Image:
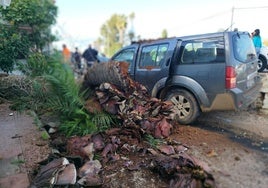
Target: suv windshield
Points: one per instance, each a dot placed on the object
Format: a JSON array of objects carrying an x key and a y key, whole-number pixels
[{"x": 244, "y": 50}]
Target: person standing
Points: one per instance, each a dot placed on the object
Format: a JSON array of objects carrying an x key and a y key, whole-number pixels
[
  {"x": 77, "y": 58},
  {"x": 257, "y": 41},
  {"x": 90, "y": 56},
  {"x": 66, "y": 53}
]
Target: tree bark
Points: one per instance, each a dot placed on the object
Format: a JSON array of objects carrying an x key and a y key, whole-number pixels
[{"x": 111, "y": 72}]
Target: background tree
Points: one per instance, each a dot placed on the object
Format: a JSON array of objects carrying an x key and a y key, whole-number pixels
[
  {"x": 164, "y": 34},
  {"x": 113, "y": 33},
  {"x": 98, "y": 44},
  {"x": 25, "y": 27}
]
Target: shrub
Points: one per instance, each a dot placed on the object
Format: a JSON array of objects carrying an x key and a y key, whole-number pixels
[{"x": 55, "y": 90}]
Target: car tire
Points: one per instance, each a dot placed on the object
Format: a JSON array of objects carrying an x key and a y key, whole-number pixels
[
  {"x": 185, "y": 106},
  {"x": 262, "y": 63}
]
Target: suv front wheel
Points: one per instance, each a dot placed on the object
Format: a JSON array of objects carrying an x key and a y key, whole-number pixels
[{"x": 185, "y": 105}]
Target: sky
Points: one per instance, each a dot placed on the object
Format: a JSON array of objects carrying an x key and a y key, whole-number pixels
[{"x": 79, "y": 21}]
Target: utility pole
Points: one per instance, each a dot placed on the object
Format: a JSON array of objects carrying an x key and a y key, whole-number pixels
[{"x": 232, "y": 19}]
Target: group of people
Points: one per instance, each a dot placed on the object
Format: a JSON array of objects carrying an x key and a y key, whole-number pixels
[{"x": 90, "y": 56}]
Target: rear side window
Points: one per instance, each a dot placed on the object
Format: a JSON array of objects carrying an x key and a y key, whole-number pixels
[
  {"x": 207, "y": 50},
  {"x": 153, "y": 55},
  {"x": 244, "y": 50}
]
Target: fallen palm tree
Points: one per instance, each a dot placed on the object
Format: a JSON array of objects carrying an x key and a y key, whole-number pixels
[
  {"x": 128, "y": 147},
  {"x": 118, "y": 94}
]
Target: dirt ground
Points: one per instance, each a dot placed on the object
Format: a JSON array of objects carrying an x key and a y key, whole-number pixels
[
  {"x": 235, "y": 157},
  {"x": 232, "y": 164},
  {"x": 234, "y": 145}
]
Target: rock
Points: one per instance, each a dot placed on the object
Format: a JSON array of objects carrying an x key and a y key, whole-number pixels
[
  {"x": 66, "y": 176},
  {"x": 90, "y": 167},
  {"x": 48, "y": 172},
  {"x": 52, "y": 130},
  {"x": 76, "y": 144},
  {"x": 89, "y": 150},
  {"x": 163, "y": 129},
  {"x": 90, "y": 180},
  {"x": 109, "y": 148},
  {"x": 152, "y": 151},
  {"x": 166, "y": 149},
  {"x": 180, "y": 149},
  {"x": 212, "y": 153},
  {"x": 98, "y": 142}
]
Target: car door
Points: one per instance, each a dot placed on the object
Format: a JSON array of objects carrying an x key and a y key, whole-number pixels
[
  {"x": 153, "y": 62},
  {"x": 127, "y": 54}
]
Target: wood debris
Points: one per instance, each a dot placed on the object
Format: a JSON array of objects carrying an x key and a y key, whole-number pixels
[{"x": 125, "y": 145}]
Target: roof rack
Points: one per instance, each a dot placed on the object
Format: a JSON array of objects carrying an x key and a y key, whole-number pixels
[{"x": 148, "y": 40}]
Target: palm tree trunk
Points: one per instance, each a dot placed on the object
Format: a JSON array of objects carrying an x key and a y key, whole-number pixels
[{"x": 111, "y": 72}]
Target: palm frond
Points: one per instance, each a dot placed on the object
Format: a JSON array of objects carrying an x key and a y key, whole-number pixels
[
  {"x": 103, "y": 121},
  {"x": 153, "y": 142},
  {"x": 78, "y": 126},
  {"x": 54, "y": 88}
]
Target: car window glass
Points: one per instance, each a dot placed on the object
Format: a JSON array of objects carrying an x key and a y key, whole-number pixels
[
  {"x": 153, "y": 55},
  {"x": 244, "y": 50},
  {"x": 125, "y": 55},
  {"x": 207, "y": 50}
]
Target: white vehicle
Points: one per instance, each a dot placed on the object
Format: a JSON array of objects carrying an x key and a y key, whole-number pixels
[{"x": 263, "y": 57}]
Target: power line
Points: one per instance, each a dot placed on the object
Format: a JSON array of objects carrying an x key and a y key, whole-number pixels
[
  {"x": 243, "y": 8},
  {"x": 263, "y": 7}
]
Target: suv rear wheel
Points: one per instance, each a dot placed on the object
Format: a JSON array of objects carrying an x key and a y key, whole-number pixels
[{"x": 185, "y": 105}]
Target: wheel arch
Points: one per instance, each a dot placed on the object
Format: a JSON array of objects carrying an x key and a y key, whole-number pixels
[
  {"x": 158, "y": 87},
  {"x": 186, "y": 83}
]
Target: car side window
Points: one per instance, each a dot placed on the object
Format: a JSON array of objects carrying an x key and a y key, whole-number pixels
[
  {"x": 126, "y": 55},
  {"x": 207, "y": 50},
  {"x": 153, "y": 55}
]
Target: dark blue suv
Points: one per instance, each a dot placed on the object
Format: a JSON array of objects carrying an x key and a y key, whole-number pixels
[{"x": 198, "y": 73}]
